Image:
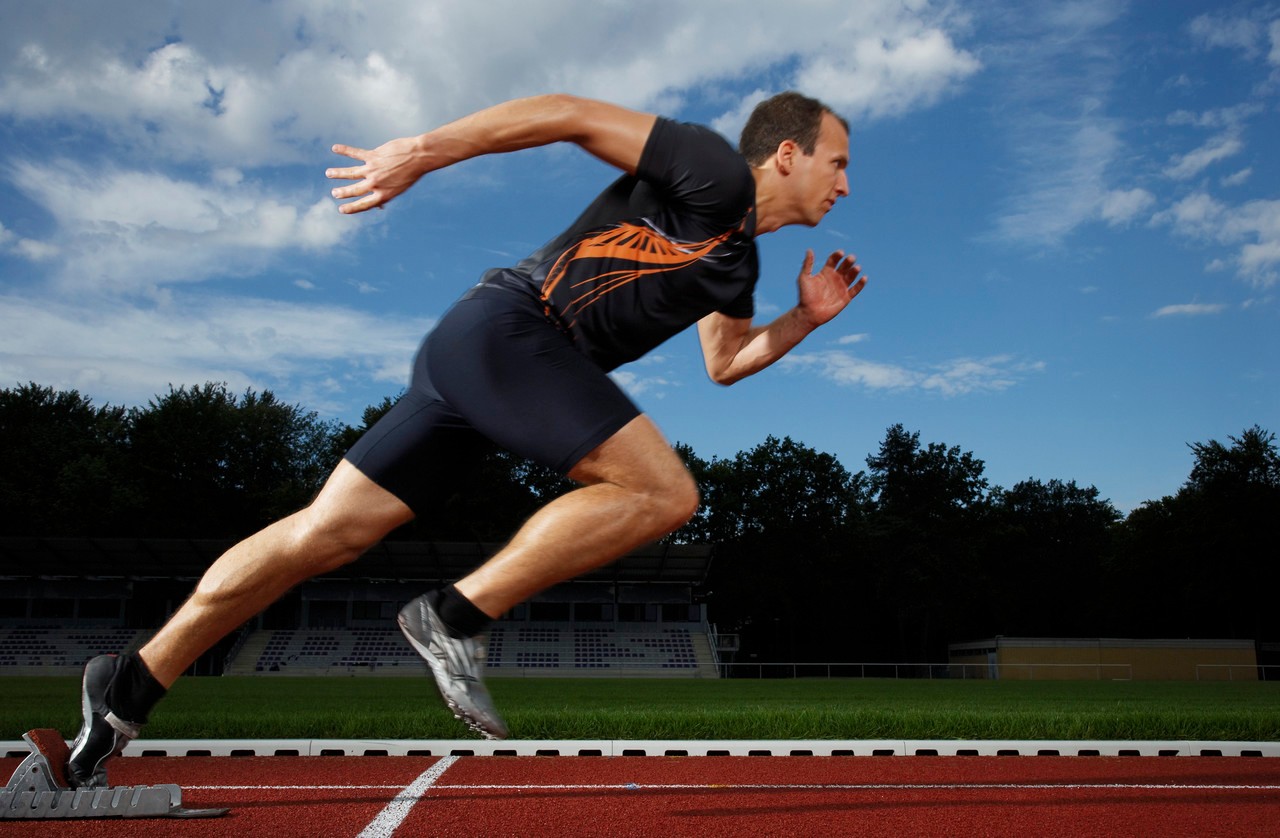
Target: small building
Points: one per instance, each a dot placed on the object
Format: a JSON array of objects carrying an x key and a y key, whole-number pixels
[{"x": 1104, "y": 659}]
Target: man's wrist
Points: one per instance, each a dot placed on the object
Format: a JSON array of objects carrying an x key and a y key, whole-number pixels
[{"x": 803, "y": 320}]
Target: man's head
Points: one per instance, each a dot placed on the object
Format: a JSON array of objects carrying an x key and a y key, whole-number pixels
[
  {"x": 786, "y": 116},
  {"x": 798, "y": 149}
]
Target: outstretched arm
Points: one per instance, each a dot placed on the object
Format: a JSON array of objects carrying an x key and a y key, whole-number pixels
[
  {"x": 733, "y": 348},
  {"x": 614, "y": 134}
]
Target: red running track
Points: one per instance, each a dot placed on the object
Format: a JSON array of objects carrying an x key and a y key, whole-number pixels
[{"x": 703, "y": 796}]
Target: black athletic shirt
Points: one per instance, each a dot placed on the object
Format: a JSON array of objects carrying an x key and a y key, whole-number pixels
[{"x": 655, "y": 252}]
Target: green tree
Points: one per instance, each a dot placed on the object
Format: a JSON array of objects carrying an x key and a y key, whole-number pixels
[
  {"x": 1049, "y": 544},
  {"x": 1248, "y": 468},
  {"x": 930, "y": 511},
  {"x": 210, "y": 464},
  {"x": 1199, "y": 562},
  {"x": 786, "y": 521},
  {"x": 62, "y": 471}
]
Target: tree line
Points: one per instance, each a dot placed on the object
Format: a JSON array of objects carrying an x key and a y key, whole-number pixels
[{"x": 812, "y": 561}]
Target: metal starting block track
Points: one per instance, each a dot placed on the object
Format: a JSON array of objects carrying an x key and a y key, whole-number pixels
[{"x": 38, "y": 790}]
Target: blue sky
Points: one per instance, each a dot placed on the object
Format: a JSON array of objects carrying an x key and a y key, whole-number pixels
[{"x": 1069, "y": 211}]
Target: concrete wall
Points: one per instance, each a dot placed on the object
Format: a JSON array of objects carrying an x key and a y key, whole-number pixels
[{"x": 1049, "y": 659}]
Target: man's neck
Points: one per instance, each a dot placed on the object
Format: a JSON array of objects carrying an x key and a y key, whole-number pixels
[{"x": 768, "y": 215}]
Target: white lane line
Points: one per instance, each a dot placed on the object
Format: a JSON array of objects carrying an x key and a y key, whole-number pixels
[
  {"x": 409, "y": 792},
  {"x": 870, "y": 787},
  {"x": 309, "y": 787},
  {"x": 394, "y": 813}
]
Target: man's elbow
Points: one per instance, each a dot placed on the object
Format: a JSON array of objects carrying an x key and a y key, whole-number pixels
[{"x": 723, "y": 377}]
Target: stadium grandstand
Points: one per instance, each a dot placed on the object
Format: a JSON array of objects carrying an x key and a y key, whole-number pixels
[{"x": 64, "y": 600}]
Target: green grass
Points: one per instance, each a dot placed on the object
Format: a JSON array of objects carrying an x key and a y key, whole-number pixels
[{"x": 398, "y": 708}]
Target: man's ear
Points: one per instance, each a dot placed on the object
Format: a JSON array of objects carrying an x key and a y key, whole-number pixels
[{"x": 785, "y": 157}]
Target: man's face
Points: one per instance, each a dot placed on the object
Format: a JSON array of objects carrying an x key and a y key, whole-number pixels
[{"x": 821, "y": 177}]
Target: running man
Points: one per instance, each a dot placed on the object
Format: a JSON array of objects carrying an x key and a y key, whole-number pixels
[{"x": 522, "y": 360}]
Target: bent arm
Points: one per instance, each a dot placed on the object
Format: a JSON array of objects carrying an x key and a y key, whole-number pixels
[
  {"x": 614, "y": 134},
  {"x": 733, "y": 348}
]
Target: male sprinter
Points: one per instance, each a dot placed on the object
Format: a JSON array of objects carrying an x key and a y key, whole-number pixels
[{"x": 523, "y": 360}]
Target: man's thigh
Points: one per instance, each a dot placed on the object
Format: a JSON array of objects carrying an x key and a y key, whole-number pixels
[
  {"x": 417, "y": 451},
  {"x": 518, "y": 380}
]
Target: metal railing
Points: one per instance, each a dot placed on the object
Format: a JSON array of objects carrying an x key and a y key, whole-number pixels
[
  {"x": 931, "y": 671},
  {"x": 1237, "y": 672}
]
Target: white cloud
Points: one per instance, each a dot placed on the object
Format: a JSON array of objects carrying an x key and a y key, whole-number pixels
[
  {"x": 1069, "y": 151},
  {"x": 30, "y": 249},
  {"x": 843, "y": 368},
  {"x": 180, "y": 129},
  {"x": 1198, "y": 216},
  {"x": 311, "y": 74},
  {"x": 1231, "y": 118},
  {"x": 1227, "y": 32},
  {"x": 1193, "y": 163},
  {"x": 1066, "y": 185},
  {"x": 123, "y": 352},
  {"x": 1253, "y": 227},
  {"x": 133, "y": 230},
  {"x": 1239, "y": 178},
  {"x": 1061, "y": 65},
  {"x": 877, "y": 76},
  {"x": 956, "y": 377},
  {"x": 651, "y": 386},
  {"x": 1189, "y": 309},
  {"x": 181, "y": 112},
  {"x": 177, "y": 104},
  {"x": 850, "y": 339},
  {"x": 1119, "y": 207},
  {"x": 1260, "y": 260},
  {"x": 35, "y": 251}
]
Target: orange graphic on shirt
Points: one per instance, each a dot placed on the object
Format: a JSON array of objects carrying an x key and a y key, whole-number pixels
[{"x": 642, "y": 247}]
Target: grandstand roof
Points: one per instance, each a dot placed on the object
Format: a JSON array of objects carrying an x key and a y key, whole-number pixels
[{"x": 162, "y": 558}]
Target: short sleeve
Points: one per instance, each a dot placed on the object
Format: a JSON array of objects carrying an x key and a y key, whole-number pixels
[{"x": 695, "y": 168}]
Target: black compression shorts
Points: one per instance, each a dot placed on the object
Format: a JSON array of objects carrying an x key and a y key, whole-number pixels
[{"x": 494, "y": 367}]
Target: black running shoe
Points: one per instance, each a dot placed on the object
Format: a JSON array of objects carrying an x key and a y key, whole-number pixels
[
  {"x": 103, "y": 734},
  {"x": 457, "y": 664}
]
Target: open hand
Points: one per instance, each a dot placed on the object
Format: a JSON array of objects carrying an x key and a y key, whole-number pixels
[
  {"x": 825, "y": 294},
  {"x": 388, "y": 170}
]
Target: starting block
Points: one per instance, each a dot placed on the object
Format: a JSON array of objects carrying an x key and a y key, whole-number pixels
[{"x": 38, "y": 790}]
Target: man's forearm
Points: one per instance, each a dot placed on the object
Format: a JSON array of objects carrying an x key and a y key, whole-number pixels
[
  {"x": 615, "y": 134},
  {"x": 757, "y": 348},
  {"x": 510, "y": 126}
]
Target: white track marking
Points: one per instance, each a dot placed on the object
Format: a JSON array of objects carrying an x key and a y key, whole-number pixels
[
  {"x": 415, "y": 791},
  {"x": 310, "y": 787},
  {"x": 390, "y": 818},
  {"x": 865, "y": 786}
]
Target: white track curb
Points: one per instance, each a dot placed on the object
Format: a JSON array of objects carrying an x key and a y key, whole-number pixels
[{"x": 661, "y": 747}]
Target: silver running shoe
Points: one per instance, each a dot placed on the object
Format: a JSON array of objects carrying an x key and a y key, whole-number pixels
[
  {"x": 457, "y": 664},
  {"x": 103, "y": 734}
]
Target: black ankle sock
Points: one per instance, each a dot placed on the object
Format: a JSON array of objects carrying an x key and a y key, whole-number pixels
[
  {"x": 459, "y": 614},
  {"x": 133, "y": 691}
]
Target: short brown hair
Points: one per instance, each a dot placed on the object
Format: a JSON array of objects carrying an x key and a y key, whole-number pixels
[{"x": 786, "y": 116}]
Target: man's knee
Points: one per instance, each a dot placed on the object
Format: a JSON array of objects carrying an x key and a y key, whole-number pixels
[
  {"x": 670, "y": 499},
  {"x": 350, "y": 515},
  {"x": 332, "y": 535},
  {"x": 639, "y": 460},
  {"x": 683, "y": 499},
  {"x": 328, "y": 544}
]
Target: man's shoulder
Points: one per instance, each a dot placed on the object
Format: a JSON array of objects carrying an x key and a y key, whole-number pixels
[{"x": 697, "y": 165}]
